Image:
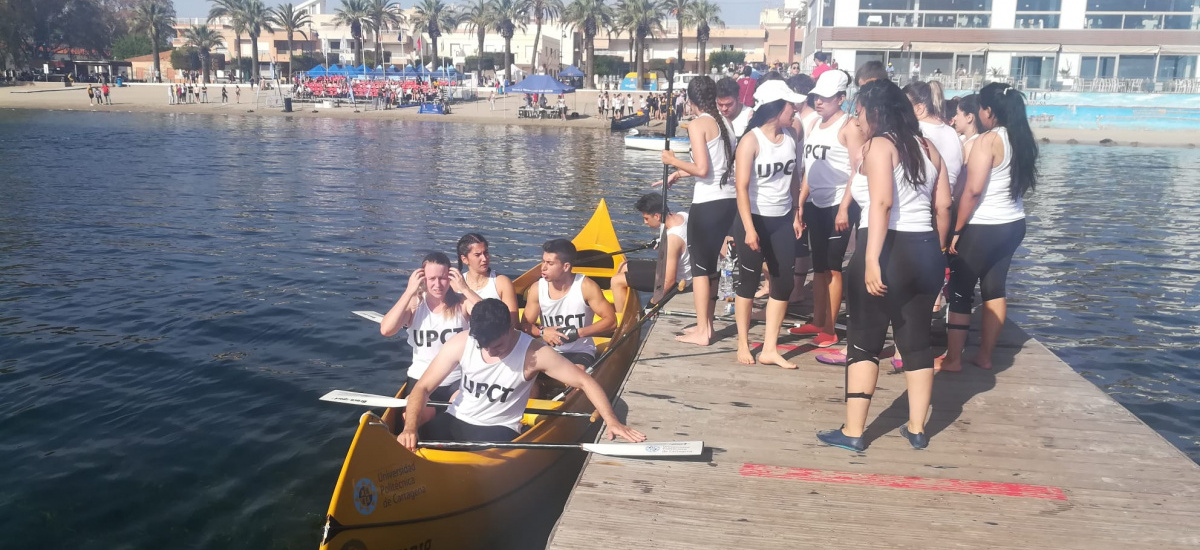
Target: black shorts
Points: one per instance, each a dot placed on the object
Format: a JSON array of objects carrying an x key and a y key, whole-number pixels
[
  {"x": 639, "y": 274},
  {"x": 827, "y": 244},
  {"x": 445, "y": 427},
  {"x": 441, "y": 395},
  {"x": 708, "y": 224},
  {"x": 585, "y": 359},
  {"x": 776, "y": 248}
]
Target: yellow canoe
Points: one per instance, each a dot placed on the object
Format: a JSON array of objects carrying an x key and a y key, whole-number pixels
[{"x": 389, "y": 498}]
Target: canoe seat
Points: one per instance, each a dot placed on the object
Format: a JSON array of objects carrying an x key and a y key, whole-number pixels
[{"x": 531, "y": 419}]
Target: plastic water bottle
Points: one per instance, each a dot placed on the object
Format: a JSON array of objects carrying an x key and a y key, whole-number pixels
[{"x": 726, "y": 265}]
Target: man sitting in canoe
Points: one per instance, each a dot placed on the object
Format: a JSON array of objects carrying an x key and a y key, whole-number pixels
[
  {"x": 559, "y": 309},
  {"x": 640, "y": 274},
  {"x": 499, "y": 367}
]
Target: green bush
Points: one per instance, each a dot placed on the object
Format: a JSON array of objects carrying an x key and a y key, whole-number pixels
[
  {"x": 246, "y": 65},
  {"x": 611, "y": 65},
  {"x": 185, "y": 59},
  {"x": 720, "y": 58},
  {"x": 301, "y": 63},
  {"x": 131, "y": 45}
]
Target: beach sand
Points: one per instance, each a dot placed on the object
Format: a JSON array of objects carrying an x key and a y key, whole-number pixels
[{"x": 152, "y": 98}]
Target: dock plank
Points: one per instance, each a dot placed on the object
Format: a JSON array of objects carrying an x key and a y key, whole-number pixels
[{"x": 1032, "y": 427}]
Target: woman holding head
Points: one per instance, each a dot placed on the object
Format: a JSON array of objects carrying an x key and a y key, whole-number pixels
[
  {"x": 897, "y": 268},
  {"x": 714, "y": 202},
  {"x": 474, "y": 254},
  {"x": 767, "y": 181},
  {"x": 990, "y": 224}
]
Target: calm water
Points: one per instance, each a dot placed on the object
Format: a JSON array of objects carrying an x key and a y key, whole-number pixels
[{"x": 176, "y": 294}]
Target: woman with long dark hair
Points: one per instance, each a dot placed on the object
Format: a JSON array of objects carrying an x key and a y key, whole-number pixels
[
  {"x": 991, "y": 220},
  {"x": 767, "y": 185},
  {"x": 474, "y": 254},
  {"x": 897, "y": 268},
  {"x": 714, "y": 202}
]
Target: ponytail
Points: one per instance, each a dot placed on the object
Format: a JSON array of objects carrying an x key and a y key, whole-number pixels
[
  {"x": 1008, "y": 106},
  {"x": 970, "y": 104},
  {"x": 702, "y": 92},
  {"x": 763, "y": 113}
]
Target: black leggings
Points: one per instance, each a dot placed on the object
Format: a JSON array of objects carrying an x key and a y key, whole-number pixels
[
  {"x": 984, "y": 254},
  {"x": 828, "y": 245},
  {"x": 913, "y": 270},
  {"x": 777, "y": 246},
  {"x": 445, "y": 427},
  {"x": 708, "y": 224}
]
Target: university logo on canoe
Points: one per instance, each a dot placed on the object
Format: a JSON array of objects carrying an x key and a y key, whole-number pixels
[{"x": 365, "y": 496}]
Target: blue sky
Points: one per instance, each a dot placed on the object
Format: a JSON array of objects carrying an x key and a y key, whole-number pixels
[{"x": 734, "y": 12}]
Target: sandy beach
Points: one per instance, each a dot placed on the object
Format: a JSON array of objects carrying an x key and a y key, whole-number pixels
[{"x": 151, "y": 98}]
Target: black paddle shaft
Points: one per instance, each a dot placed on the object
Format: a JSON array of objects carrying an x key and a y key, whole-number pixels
[{"x": 660, "y": 273}]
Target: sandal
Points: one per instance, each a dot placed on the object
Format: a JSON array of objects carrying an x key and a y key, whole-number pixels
[{"x": 832, "y": 358}]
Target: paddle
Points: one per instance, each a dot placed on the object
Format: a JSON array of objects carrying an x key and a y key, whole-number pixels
[
  {"x": 371, "y": 400},
  {"x": 660, "y": 273},
  {"x": 589, "y": 255},
  {"x": 645, "y": 449}
]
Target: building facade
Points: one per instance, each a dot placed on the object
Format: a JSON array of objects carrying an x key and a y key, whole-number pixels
[{"x": 1036, "y": 44}]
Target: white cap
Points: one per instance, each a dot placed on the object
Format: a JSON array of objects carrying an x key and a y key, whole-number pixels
[
  {"x": 774, "y": 90},
  {"x": 831, "y": 83}
]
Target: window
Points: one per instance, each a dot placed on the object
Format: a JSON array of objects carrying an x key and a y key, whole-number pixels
[
  {"x": 827, "y": 7},
  {"x": 1036, "y": 21},
  {"x": 888, "y": 5},
  {"x": 335, "y": 44},
  {"x": 1171, "y": 67},
  {"x": 1142, "y": 5},
  {"x": 1097, "y": 67},
  {"x": 956, "y": 5},
  {"x": 1143, "y": 14},
  {"x": 1039, "y": 5},
  {"x": 1136, "y": 66}
]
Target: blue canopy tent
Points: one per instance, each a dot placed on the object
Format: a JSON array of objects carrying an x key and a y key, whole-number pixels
[
  {"x": 570, "y": 72},
  {"x": 541, "y": 84},
  {"x": 319, "y": 70}
]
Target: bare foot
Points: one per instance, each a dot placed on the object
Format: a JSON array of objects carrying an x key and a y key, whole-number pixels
[
  {"x": 941, "y": 364},
  {"x": 983, "y": 362},
  {"x": 695, "y": 337},
  {"x": 769, "y": 358},
  {"x": 691, "y": 329},
  {"x": 744, "y": 356}
]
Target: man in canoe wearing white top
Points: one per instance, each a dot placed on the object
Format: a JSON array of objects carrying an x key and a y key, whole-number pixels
[
  {"x": 560, "y": 308},
  {"x": 639, "y": 274},
  {"x": 499, "y": 367}
]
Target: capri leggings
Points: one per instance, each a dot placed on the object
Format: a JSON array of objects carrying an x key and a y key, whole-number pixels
[
  {"x": 828, "y": 245},
  {"x": 984, "y": 254},
  {"x": 708, "y": 224},
  {"x": 776, "y": 246},
  {"x": 913, "y": 270}
]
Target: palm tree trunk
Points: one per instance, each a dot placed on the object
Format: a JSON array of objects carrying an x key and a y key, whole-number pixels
[
  {"x": 679, "y": 19},
  {"x": 237, "y": 53},
  {"x": 436, "y": 61},
  {"x": 254, "y": 56},
  {"x": 536, "y": 38},
  {"x": 157, "y": 76},
  {"x": 640, "y": 43},
  {"x": 482, "y": 36},
  {"x": 291, "y": 53},
  {"x": 507, "y": 54},
  {"x": 589, "y": 82},
  {"x": 703, "y": 60}
]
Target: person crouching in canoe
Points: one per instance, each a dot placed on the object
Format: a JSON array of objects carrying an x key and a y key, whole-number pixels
[
  {"x": 435, "y": 306},
  {"x": 640, "y": 274},
  {"x": 499, "y": 367},
  {"x": 560, "y": 308}
]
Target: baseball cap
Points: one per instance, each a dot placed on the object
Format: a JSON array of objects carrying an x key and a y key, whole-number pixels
[
  {"x": 831, "y": 83},
  {"x": 774, "y": 90}
]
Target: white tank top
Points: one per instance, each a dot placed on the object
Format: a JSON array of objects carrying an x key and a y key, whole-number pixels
[
  {"x": 427, "y": 332},
  {"x": 945, "y": 139},
  {"x": 911, "y": 208},
  {"x": 572, "y": 310},
  {"x": 739, "y": 123},
  {"x": 493, "y": 394},
  {"x": 771, "y": 175},
  {"x": 827, "y": 164},
  {"x": 956, "y": 186},
  {"x": 709, "y": 188},
  {"x": 997, "y": 207},
  {"x": 489, "y": 289},
  {"x": 683, "y": 272}
]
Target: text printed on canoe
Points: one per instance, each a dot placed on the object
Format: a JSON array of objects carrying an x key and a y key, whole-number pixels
[{"x": 398, "y": 485}]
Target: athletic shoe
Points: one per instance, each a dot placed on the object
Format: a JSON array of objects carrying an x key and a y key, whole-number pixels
[
  {"x": 833, "y": 358},
  {"x": 835, "y": 438},
  {"x": 918, "y": 441},
  {"x": 805, "y": 330},
  {"x": 898, "y": 363},
  {"x": 823, "y": 340}
]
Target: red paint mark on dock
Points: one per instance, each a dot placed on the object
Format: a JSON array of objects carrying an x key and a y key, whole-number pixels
[
  {"x": 785, "y": 348},
  {"x": 905, "y": 482}
]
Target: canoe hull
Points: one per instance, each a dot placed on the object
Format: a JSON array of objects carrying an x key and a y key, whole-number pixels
[
  {"x": 627, "y": 122},
  {"x": 650, "y": 143}
]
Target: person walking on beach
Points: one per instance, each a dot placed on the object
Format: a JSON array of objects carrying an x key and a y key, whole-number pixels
[
  {"x": 714, "y": 200},
  {"x": 91, "y": 96},
  {"x": 991, "y": 221},
  {"x": 492, "y": 99},
  {"x": 170, "y": 95},
  {"x": 224, "y": 95},
  {"x": 237, "y": 93},
  {"x": 896, "y": 273},
  {"x": 767, "y": 185},
  {"x": 104, "y": 90},
  {"x": 204, "y": 93}
]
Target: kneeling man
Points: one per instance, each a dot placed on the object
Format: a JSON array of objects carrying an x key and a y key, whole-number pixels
[{"x": 499, "y": 367}]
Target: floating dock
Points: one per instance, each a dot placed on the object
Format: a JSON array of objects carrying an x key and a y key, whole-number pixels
[{"x": 1028, "y": 455}]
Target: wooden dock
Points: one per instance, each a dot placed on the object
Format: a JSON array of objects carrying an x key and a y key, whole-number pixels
[{"x": 1029, "y": 455}]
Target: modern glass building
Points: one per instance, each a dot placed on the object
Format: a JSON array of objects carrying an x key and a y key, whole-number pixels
[{"x": 1092, "y": 45}]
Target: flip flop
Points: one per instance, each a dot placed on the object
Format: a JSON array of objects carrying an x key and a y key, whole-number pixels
[{"x": 832, "y": 358}]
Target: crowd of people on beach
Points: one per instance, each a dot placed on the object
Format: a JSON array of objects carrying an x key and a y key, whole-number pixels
[{"x": 653, "y": 105}]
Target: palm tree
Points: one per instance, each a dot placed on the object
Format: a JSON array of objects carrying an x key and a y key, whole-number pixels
[
  {"x": 257, "y": 18},
  {"x": 431, "y": 17},
  {"x": 640, "y": 18},
  {"x": 351, "y": 14},
  {"x": 291, "y": 21},
  {"x": 589, "y": 17},
  {"x": 382, "y": 15},
  {"x": 204, "y": 39},
  {"x": 681, "y": 9},
  {"x": 478, "y": 16},
  {"x": 543, "y": 11},
  {"x": 705, "y": 15},
  {"x": 233, "y": 10},
  {"x": 510, "y": 16},
  {"x": 156, "y": 20}
]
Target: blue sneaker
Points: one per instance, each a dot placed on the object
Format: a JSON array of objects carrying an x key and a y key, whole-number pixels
[
  {"x": 918, "y": 441},
  {"x": 836, "y": 438}
]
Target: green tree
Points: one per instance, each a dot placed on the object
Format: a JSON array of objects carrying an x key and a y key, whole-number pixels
[
  {"x": 705, "y": 16},
  {"x": 589, "y": 17},
  {"x": 610, "y": 65},
  {"x": 543, "y": 11},
  {"x": 291, "y": 21},
  {"x": 682, "y": 10},
  {"x": 431, "y": 17},
  {"x": 185, "y": 59},
  {"x": 130, "y": 45},
  {"x": 641, "y": 19},
  {"x": 351, "y": 15},
  {"x": 510, "y": 16},
  {"x": 257, "y": 18},
  {"x": 381, "y": 16},
  {"x": 156, "y": 20},
  {"x": 724, "y": 57},
  {"x": 234, "y": 10},
  {"x": 304, "y": 62},
  {"x": 477, "y": 17},
  {"x": 203, "y": 40}
]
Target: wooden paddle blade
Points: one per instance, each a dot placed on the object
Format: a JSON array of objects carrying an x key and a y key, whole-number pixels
[
  {"x": 648, "y": 448},
  {"x": 370, "y": 315},
  {"x": 365, "y": 399}
]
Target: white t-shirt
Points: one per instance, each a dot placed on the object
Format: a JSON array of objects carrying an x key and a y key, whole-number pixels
[
  {"x": 771, "y": 175},
  {"x": 740, "y": 122},
  {"x": 945, "y": 139}
]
